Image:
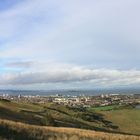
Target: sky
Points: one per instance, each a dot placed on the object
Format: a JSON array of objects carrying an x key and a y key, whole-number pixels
[{"x": 69, "y": 44}]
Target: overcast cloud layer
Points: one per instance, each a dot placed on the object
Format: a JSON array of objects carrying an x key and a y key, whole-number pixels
[{"x": 69, "y": 43}]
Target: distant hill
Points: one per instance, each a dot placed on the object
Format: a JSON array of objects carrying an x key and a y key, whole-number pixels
[
  {"x": 10, "y": 130},
  {"x": 72, "y": 92}
]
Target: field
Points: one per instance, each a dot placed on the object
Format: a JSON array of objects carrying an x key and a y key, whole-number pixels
[
  {"x": 104, "y": 108},
  {"x": 110, "y": 119},
  {"x": 128, "y": 120}
]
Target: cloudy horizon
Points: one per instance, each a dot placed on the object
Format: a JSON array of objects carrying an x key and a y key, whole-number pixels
[{"x": 63, "y": 44}]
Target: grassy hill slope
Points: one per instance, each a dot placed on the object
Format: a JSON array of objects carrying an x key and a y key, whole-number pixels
[
  {"x": 20, "y": 131},
  {"x": 124, "y": 120},
  {"x": 52, "y": 115},
  {"x": 127, "y": 118}
]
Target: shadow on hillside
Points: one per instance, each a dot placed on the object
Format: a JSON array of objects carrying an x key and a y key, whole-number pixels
[
  {"x": 99, "y": 118},
  {"x": 19, "y": 116},
  {"x": 94, "y": 117},
  {"x": 81, "y": 113},
  {"x": 74, "y": 120}
]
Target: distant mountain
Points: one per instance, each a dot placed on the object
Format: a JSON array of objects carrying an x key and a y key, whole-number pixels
[{"x": 73, "y": 92}]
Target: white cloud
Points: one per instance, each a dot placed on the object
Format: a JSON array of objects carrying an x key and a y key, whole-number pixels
[{"x": 45, "y": 73}]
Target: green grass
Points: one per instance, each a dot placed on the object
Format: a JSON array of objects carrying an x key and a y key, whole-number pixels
[
  {"x": 128, "y": 120},
  {"x": 104, "y": 108}
]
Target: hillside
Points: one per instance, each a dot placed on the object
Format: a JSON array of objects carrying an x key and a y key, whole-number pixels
[
  {"x": 20, "y": 131},
  {"x": 52, "y": 115},
  {"x": 37, "y": 121}
]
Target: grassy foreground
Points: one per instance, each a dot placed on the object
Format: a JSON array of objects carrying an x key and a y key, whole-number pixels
[{"x": 10, "y": 130}]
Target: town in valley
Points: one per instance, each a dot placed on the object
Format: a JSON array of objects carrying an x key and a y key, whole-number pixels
[{"x": 77, "y": 101}]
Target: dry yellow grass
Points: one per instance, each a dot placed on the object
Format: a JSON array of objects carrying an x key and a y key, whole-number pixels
[{"x": 16, "y": 130}]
